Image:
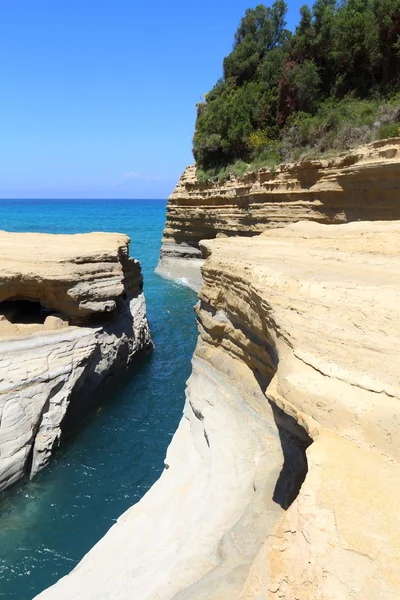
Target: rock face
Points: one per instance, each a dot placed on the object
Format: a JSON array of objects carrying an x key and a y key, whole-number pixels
[
  {"x": 329, "y": 297},
  {"x": 282, "y": 480},
  {"x": 72, "y": 314},
  {"x": 360, "y": 185}
]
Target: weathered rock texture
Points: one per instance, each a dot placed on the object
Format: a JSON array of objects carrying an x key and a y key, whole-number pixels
[
  {"x": 360, "y": 185},
  {"x": 72, "y": 315},
  {"x": 296, "y": 369}
]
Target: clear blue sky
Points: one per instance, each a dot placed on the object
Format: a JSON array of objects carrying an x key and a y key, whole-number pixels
[{"x": 98, "y": 96}]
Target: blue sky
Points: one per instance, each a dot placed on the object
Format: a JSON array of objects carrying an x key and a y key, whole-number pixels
[{"x": 98, "y": 96}]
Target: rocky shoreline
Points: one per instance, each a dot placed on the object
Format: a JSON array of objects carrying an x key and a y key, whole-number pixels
[{"x": 72, "y": 320}]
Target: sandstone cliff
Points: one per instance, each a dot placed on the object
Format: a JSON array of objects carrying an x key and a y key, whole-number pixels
[
  {"x": 72, "y": 314},
  {"x": 282, "y": 480},
  {"x": 359, "y": 185}
]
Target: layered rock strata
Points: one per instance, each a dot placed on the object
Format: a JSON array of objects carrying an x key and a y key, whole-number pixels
[
  {"x": 359, "y": 185},
  {"x": 72, "y": 317},
  {"x": 282, "y": 480}
]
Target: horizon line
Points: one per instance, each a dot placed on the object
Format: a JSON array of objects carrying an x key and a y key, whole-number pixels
[{"x": 78, "y": 199}]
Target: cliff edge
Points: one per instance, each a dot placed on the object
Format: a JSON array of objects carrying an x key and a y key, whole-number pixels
[
  {"x": 361, "y": 185},
  {"x": 72, "y": 316},
  {"x": 283, "y": 477}
]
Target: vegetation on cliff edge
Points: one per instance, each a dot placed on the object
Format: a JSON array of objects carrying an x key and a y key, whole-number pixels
[{"x": 332, "y": 84}]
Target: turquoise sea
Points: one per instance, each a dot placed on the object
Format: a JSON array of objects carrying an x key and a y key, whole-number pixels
[{"x": 47, "y": 525}]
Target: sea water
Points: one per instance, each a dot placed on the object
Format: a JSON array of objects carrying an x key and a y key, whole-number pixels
[{"x": 48, "y": 524}]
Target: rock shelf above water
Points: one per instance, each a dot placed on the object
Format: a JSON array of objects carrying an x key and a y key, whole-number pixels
[
  {"x": 72, "y": 314},
  {"x": 77, "y": 275}
]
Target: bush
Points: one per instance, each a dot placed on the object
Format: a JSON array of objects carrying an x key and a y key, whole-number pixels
[
  {"x": 306, "y": 83},
  {"x": 391, "y": 130},
  {"x": 258, "y": 140},
  {"x": 324, "y": 88},
  {"x": 336, "y": 127},
  {"x": 238, "y": 169}
]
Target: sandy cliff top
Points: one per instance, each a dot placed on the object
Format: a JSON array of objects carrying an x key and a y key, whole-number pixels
[{"x": 76, "y": 275}]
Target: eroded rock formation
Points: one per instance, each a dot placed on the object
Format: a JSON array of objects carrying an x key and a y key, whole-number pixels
[
  {"x": 282, "y": 480},
  {"x": 72, "y": 314},
  {"x": 359, "y": 185},
  {"x": 329, "y": 296}
]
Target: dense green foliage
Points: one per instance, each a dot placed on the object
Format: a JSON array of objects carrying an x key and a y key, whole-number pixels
[{"x": 326, "y": 86}]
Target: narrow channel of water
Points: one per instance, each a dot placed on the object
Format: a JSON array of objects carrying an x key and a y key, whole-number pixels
[{"x": 47, "y": 525}]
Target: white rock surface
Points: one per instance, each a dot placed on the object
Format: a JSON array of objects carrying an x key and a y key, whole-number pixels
[
  {"x": 206, "y": 513},
  {"x": 49, "y": 369}
]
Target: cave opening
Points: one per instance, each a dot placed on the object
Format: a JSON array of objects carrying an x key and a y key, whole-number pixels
[{"x": 23, "y": 311}]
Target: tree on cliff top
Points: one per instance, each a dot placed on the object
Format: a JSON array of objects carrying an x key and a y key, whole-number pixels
[{"x": 347, "y": 49}]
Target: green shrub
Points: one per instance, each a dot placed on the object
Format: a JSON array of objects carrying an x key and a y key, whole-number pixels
[
  {"x": 330, "y": 85},
  {"x": 391, "y": 130},
  {"x": 202, "y": 175},
  {"x": 238, "y": 169},
  {"x": 337, "y": 126},
  {"x": 269, "y": 158}
]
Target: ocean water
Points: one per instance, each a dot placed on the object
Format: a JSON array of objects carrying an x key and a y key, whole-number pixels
[{"x": 47, "y": 525}]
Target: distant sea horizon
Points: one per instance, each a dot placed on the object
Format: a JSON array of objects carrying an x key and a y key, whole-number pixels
[{"x": 33, "y": 198}]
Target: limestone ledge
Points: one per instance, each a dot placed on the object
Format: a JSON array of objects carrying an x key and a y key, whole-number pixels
[
  {"x": 282, "y": 480},
  {"x": 79, "y": 275},
  {"x": 72, "y": 317},
  {"x": 358, "y": 185}
]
